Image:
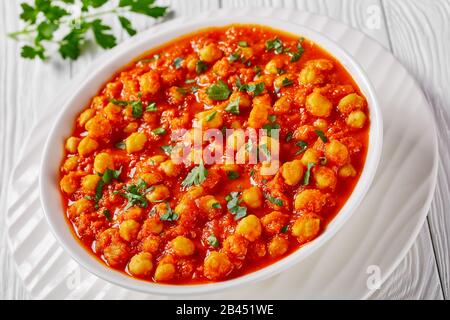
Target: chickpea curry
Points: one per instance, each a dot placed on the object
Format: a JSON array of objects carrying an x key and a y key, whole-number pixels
[{"x": 142, "y": 212}]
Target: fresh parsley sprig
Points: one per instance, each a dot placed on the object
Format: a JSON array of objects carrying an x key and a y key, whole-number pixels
[{"x": 44, "y": 18}]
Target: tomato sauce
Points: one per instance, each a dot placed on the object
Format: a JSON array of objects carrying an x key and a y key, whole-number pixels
[{"x": 135, "y": 207}]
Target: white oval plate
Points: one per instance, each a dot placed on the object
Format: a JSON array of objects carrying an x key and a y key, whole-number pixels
[{"x": 385, "y": 226}]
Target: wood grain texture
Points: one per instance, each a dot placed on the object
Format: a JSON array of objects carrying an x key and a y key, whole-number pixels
[
  {"x": 417, "y": 276},
  {"x": 419, "y": 33}
]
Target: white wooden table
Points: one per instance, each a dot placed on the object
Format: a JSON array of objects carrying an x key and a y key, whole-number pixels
[{"x": 416, "y": 31}]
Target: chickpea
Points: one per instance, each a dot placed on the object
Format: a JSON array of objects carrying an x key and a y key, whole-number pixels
[
  {"x": 158, "y": 159},
  {"x": 310, "y": 156},
  {"x": 150, "y": 82},
  {"x": 217, "y": 265},
  {"x": 182, "y": 246},
  {"x": 350, "y": 103},
  {"x": 210, "y": 53},
  {"x": 273, "y": 222},
  {"x": 337, "y": 152},
  {"x": 209, "y": 204},
  {"x": 210, "y": 119},
  {"x": 347, "y": 171},
  {"x": 129, "y": 229},
  {"x": 80, "y": 206},
  {"x": 282, "y": 105},
  {"x": 191, "y": 62},
  {"x": 151, "y": 178},
  {"x": 112, "y": 111},
  {"x": 310, "y": 76},
  {"x": 85, "y": 116},
  {"x": 89, "y": 182},
  {"x": 70, "y": 163},
  {"x": 153, "y": 225},
  {"x": 182, "y": 206},
  {"x": 304, "y": 132},
  {"x": 321, "y": 124},
  {"x": 131, "y": 127},
  {"x": 72, "y": 144},
  {"x": 116, "y": 254},
  {"x": 260, "y": 111},
  {"x": 221, "y": 67},
  {"x": 159, "y": 193},
  {"x": 267, "y": 79},
  {"x": 249, "y": 227},
  {"x": 135, "y": 142},
  {"x": 310, "y": 200},
  {"x": 244, "y": 100},
  {"x": 325, "y": 178},
  {"x": 69, "y": 183},
  {"x": 133, "y": 213},
  {"x": 253, "y": 197},
  {"x": 98, "y": 127},
  {"x": 278, "y": 246},
  {"x": 151, "y": 244},
  {"x": 103, "y": 161},
  {"x": 292, "y": 172},
  {"x": 235, "y": 245},
  {"x": 164, "y": 272},
  {"x": 87, "y": 146},
  {"x": 356, "y": 119},
  {"x": 318, "y": 105},
  {"x": 247, "y": 53},
  {"x": 141, "y": 264},
  {"x": 274, "y": 65},
  {"x": 306, "y": 228},
  {"x": 176, "y": 96},
  {"x": 169, "y": 168}
]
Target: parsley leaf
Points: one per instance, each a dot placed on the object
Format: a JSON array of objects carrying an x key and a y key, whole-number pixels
[
  {"x": 107, "y": 214},
  {"x": 159, "y": 131},
  {"x": 167, "y": 149},
  {"x": 233, "y": 106},
  {"x": 151, "y": 107},
  {"x": 233, "y": 175},
  {"x": 218, "y": 91},
  {"x": 276, "y": 201},
  {"x": 120, "y": 145},
  {"x": 196, "y": 176},
  {"x": 211, "y": 116},
  {"x": 233, "y": 205},
  {"x": 265, "y": 150},
  {"x": 302, "y": 145},
  {"x": 307, "y": 176},
  {"x": 243, "y": 44},
  {"x": 275, "y": 45},
  {"x": 127, "y": 25},
  {"x": 212, "y": 240},
  {"x": 255, "y": 88},
  {"x": 170, "y": 215},
  {"x": 135, "y": 194},
  {"x": 321, "y": 135},
  {"x": 201, "y": 67},
  {"x": 101, "y": 35},
  {"x": 177, "y": 62},
  {"x": 137, "y": 110}
]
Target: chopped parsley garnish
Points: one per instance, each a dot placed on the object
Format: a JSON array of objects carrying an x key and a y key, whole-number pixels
[
  {"x": 302, "y": 145},
  {"x": 211, "y": 116},
  {"x": 170, "y": 215},
  {"x": 137, "y": 110},
  {"x": 119, "y": 102},
  {"x": 167, "y": 149},
  {"x": 286, "y": 82},
  {"x": 296, "y": 55},
  {"x": 135, "y": 194},
  {"x": 284, "y": 229},
  {"x": 212, "y": 240},
  {"x": 308, "y": 173},
  {"x": 233, "y": 106},
  {"x": 233, "y": 205},
  {"x": 196, "y": 176},
  {"x": 159, "y": 131},
  {"x": 218, "y": 91},
  {"x": 271, "y": 126},
  {"x": 321, "y": 135},
  {"x": 265, "y": 150},
  {"x": 257, "y": 89},
  {"x": 182, "y": 90},
  {"x": 289, "y": 136},
  {"x": 106, "y": 178},
  {"x": 189, "y": 81},
  {"x": 177, "y": 62},
  {"x": 234, "y": 56},
  {"x": 243, "y": 44},
  {"x": 275, "y": 45},
  {"x": 107, "y": 214},
  {"x": 151, "y": 107},
  {"x": 120, "y": 145},
  {"x": 232, "y": 175},
  {"x": 201, "y": 67},
  {"x": 216, "y": 205},
  {"x": 276, "y": 201}
]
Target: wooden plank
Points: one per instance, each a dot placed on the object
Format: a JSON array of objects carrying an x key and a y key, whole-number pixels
[{"x": 419, "y": 32}]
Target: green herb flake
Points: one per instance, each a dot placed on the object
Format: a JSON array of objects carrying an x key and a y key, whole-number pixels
[
  {"x": 107, "y": 214},
  {"x": 276, "y": 201},
  {"x": 321, "y": 135},
  {"x": 289, "y": 136},
  {"x": 218, "y": 91},
  {"x": 234, "y": 56},
  {"x": 232, "y": 175},
  {"x": 159, "y": 131},
  {"x": 119, "y": 102},
  {"x": 265, "y": 150},
  {"x": 137, "y": 110},
  {"x": 243, "y": 44},
  {"x": 201, "y": 67},
  {"x": 216, "y": 205},
  {"x": 287, "y": 82},
  {"x": 284, "y": 229},
  {"x": 135, "y": 194},
  {"x": 120, "y": 145},
  {"x": 275, "y": 45},
  {"x": 196, "y": 176},
  {"x": 167, "y": 149},
  {"x": 233, "y": 205},
  {"x": 302, "y": 145},
  {"x": 307, "y": 176},
  {"x": 151, "y": 107},
  {"x": 170, "y": 215},
  {"x": 257, "y": 89},
  {"x": 211, "y": 116},
  {"x": 177, "y": 62},
  {"x": 233, "y": 106},
  {"x": 212, "y": 240}
]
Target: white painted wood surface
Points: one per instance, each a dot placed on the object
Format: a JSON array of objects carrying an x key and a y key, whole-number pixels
[{"x": 416, "y": 31}]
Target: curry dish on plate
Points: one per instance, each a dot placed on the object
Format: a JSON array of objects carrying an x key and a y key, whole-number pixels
[{"x": 141, "y": 207}]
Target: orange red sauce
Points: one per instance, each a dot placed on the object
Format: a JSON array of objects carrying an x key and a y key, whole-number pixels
[{"x": 140, "y": 212}]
